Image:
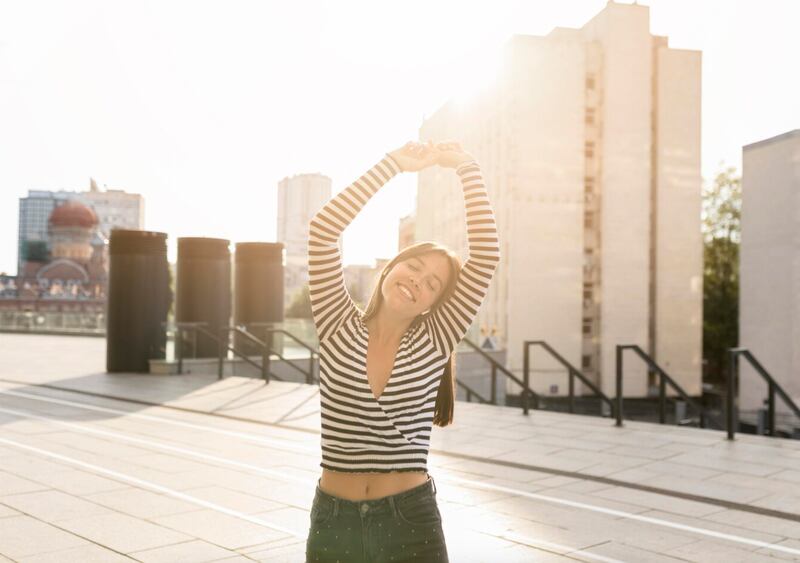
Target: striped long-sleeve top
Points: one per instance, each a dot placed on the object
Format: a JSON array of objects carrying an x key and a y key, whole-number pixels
[{"x": 362, "y": 433}]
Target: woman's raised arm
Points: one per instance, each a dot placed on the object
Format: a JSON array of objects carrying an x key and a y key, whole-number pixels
[{"x": 449, "y": 323}]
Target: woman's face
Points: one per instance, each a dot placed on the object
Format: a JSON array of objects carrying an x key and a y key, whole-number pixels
[{"x": 413, "y": 285}]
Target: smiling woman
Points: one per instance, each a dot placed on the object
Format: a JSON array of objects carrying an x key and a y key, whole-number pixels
[{"x": 387, "y": 374}]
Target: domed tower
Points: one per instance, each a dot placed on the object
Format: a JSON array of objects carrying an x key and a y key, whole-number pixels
[{"x": 71, "y": 228}]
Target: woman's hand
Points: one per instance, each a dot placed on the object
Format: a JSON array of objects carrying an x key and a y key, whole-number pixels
[
  {"x": 451, "y": 155},
  {"x": 414, "y": 156}
]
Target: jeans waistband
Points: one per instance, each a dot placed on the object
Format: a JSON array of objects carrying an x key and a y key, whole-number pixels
[{"x": 428, "y": 487}]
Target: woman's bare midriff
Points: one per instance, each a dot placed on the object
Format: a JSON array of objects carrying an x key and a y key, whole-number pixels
[{"x": 368, "y": 486}]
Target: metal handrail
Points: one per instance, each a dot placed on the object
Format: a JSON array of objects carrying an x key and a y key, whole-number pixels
[
  {"x": 266, "y": 347},
  {"x": 195, "y": 327},
  {"x": 664, "y": 378},
  {"x": 179, "y": 328},
  {"x": 573, "y": 373},
  {"x": 265, "y": 352},
  {"x": 498, "y": 366},
  {"x": 312, "y": 353},
  {"x": 774, "y": 387}
]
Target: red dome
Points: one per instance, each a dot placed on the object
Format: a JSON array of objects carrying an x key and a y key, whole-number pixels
[{"x": 73, "y": 214}]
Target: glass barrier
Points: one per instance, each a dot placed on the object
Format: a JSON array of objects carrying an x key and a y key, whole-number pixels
[{"x": 35, "y": 321}]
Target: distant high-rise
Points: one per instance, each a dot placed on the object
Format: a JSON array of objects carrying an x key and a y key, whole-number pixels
[
  {"x": 769, "y": 268},
  {"x": 299, "y": 198},
  {"x": 589, "y": 140}
]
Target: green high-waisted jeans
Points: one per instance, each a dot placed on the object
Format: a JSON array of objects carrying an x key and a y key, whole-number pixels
[{"x": 395, "y": 529}]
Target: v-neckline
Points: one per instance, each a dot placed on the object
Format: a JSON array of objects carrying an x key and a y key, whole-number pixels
[{"x": 394, "y": 360}]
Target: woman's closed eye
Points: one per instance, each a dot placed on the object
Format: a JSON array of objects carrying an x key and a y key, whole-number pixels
[{"x": 416, "y": 269}]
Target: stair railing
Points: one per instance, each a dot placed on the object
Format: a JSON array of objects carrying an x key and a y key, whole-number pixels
[
  {"x": 663, "y": 381},
  {"x": 571, "y": 370},
  {"x": 773, "y": 389},
  {"x": 498, "y": 367}
]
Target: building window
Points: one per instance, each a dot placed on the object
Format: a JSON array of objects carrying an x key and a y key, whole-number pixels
[
  {"x": 587, "y": 361},
  {"x": 590, "y": 81},
  {"x": 589, "y": 149},
  {"x": 588, "y": 220},
  {"x": 589, "y": 116}
]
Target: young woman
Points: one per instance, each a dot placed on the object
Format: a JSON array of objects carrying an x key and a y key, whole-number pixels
[{"x": 387, "y": 374}]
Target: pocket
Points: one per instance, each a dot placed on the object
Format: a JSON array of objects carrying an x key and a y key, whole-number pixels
[
  {"x": 321, "y": 511},
  {"x": 420, "y": 511}
]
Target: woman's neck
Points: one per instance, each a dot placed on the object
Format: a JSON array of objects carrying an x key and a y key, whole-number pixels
[{"x": 387, "y": 328}]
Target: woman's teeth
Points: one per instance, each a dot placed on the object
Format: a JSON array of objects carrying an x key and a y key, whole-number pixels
[{"x": 406, "y": 292}]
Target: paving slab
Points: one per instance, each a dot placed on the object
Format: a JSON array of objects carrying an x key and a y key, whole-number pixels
[
  {"x": 192, "y": 550},
  {"x": 141, "y": 503},
  {"x": 123, "y": 533},
  {"x": 89, "y": 553},
  {"x": 52, "y": 505},
  {"x": 220, "y": 529},
  {"x": 23, "y": 536}
]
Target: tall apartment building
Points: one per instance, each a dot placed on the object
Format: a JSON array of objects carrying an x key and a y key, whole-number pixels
[
  {"x": 114, "y": 209},
  {"x": 299, "y": 198},
  {"x": 769, "y": 268},
  {"x": 589, "y": 140}
]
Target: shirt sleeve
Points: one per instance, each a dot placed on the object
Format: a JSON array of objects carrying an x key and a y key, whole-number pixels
[
  {"x": 448, "y": 324},
  {"x": 330, "y": 300}
]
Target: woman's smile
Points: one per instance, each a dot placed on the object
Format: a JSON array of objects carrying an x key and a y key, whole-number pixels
[{"x": 406, "y": 292}]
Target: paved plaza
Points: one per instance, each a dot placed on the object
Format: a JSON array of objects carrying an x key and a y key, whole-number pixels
[{"x": 137, "y": 467}]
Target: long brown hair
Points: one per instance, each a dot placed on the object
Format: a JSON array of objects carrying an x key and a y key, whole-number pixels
[{"x": 445, "y": 397}]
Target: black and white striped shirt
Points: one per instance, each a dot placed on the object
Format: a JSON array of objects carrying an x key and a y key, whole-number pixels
[{"x": 361, "y": 433}]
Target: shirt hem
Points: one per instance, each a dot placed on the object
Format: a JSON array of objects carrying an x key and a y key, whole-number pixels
[{"x": 388, "y": 470}]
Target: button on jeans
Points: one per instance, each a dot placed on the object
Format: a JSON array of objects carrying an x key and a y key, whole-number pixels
[{"x": 398, "y": 528}]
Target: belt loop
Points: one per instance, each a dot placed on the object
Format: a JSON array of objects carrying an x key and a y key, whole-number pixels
[
  {"x": 391, "y": 503},
  {"x": 433, "y": 483},
  {"x": 335, "y": 506}
]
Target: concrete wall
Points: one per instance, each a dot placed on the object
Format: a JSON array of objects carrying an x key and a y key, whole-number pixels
[
  {"x": 769, "y": 306},
  {"x": 545, "y": 229},
  {"x": 678, "y": 235},
  {"x": 623, "y": 32}
]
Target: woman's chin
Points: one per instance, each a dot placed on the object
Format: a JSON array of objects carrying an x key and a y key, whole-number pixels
[{"x": 403, "y": 308}]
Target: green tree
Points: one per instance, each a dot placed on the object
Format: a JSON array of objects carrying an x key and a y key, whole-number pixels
[{"x": 721, "y": 220}]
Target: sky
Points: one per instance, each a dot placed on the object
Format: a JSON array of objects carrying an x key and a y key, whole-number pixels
[{"x": 203, "y": 107}]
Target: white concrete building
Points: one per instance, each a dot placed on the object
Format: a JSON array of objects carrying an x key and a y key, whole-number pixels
[
  {"x": 299, "y": 198},
  {"x": 589, "y": 140},
  {"x": 115, "y": 208},
  {"x": 769, "y": 268}
]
